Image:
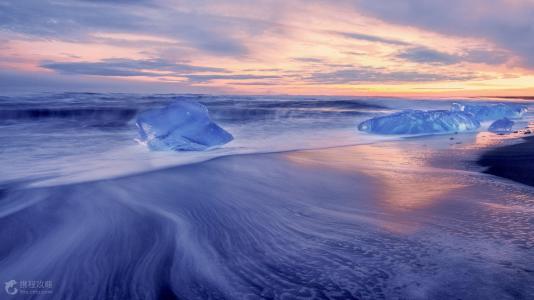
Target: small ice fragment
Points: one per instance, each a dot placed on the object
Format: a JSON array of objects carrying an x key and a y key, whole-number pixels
[
  {"x": 420, "y": 122},
  {"x": 488, "y": 112},
  {"x": 180, "y": 126},
  {"x": 501, "y": 126}
]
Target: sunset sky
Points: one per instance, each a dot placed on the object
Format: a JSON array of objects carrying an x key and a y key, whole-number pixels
[{"x": 360, "y": 47}]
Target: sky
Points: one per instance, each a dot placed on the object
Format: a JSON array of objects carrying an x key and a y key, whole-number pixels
[{"x": 303, "y": 47}]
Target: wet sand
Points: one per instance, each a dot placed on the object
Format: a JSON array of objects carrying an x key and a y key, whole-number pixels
[
  {"x": 515, "y": 162},
  {"x": 394, "y": 220}
]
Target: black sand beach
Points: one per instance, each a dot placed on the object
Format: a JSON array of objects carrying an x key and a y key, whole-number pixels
[
  {"x": 364, "y": 222},
  {"x": 515, "y": 162}
]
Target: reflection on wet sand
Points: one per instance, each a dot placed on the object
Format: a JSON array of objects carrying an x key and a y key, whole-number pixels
[
  {"x": 487, "y": 139},
  {"x": 404, "y": 178},
  {"x": 367, "y": 222}
]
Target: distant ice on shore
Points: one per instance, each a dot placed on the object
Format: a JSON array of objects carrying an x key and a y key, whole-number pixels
[
  {"x": 419, "y": 122},
  {"x": 461, "y": 117},
  {"x": 501, "y": 126},
  {"x": 489, "y": 112}
]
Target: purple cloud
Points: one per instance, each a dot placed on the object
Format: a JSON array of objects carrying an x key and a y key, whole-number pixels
[{"x": 508, "y": 24}]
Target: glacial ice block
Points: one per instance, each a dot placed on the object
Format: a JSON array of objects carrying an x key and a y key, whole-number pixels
[
  {"x": 181, "y": 126},
  {"x": 501, "y": 126},
  {"x": 488, "y": 112},
  {"x": 420, "y": 122}
]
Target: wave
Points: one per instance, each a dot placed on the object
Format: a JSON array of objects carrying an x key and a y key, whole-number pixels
[
  {"x": 118, "y": 110},
  {"x": 264, "y": 110},
  {"x": 104, "y": 115},
  {"x": 313, "y": 103},
  {"x": 263, "y": 114}
]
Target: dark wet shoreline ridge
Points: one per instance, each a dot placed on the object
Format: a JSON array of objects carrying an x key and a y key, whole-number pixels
[{"x": 515, "y": 162}]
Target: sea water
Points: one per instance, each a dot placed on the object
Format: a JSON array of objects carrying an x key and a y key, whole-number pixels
[{"x": 49, "y": 139}]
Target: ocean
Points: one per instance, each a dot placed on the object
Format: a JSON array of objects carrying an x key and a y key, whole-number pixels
[{"x": 51, "y": 139}]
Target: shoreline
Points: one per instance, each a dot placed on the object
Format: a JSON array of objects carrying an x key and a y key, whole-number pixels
[
  {"x": 445, "y": 141},
  {"x": 386, "y": 220}
]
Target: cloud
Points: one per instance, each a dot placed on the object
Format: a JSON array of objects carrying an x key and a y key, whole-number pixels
[
  {"x": 64, "y": 20},
  {"x": 494, "y": 57},
  {"x": 370, "y": 75},
  {"x": 319, "y": 39},
  {"x": 128, "y": 67},
  {"x": 508, "y": 24},
  {"x": 256, "y": 83},
  {"x": 120, "y": 2},
  {"x": 17, "y": 82},
  {"x": 76, "y": 21},
  {"x": 208, "y": 78},
  {"x": 427, "y": 55},
  {"x": 371, "y": 38},
  {"x": 421, "y": 54},
  {"x": 308, "y": 59}
]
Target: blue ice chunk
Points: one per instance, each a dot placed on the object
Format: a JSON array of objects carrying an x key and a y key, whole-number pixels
[
  {"x": 488, "y": 112},
  {"x": 180, "y": 126},
  {"x": 501, "y": 126},
  {"x": 420, "y": 122}
]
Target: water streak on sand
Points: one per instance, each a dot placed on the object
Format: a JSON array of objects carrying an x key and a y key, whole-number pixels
[{"x": 261, "y": 226}]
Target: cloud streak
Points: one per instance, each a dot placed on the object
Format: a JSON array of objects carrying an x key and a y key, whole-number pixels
[
  {"x": 369, "y": 75},
  {"x": 424, "y": 55},
  {"x": 508, "y": 24},
  {"x": 231, "y": 77},
  {"x": 427, "y": 55},
  {"x": 128, "y": 67},
  {"x": 77, "y": 20},
  {"x": 371, "y": 38}
]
